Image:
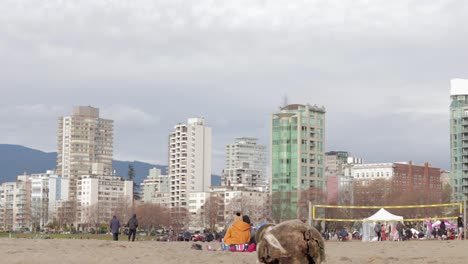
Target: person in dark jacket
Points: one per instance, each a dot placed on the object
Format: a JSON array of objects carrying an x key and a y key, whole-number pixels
[
  {"x": 442, "y": 230},
  {"x": 114, "y": 227},
  {"x": 132, "y": 226},
  {"x": 460, "y": 226}
]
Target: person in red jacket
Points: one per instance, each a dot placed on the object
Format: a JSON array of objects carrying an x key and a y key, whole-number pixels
[{"x": 239, "y": 232}]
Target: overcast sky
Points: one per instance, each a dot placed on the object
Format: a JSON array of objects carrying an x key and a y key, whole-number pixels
[{"x": 381, "y": 68}]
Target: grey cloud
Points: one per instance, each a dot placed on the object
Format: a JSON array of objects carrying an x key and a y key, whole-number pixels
[{"x": 374, "y": 63}]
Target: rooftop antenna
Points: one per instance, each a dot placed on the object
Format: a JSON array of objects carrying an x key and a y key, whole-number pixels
[{"x": 285, "y": 101}]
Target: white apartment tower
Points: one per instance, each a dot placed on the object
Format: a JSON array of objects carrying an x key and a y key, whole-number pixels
[
  {"x": 248, "y": 157},
  {"x": 155, "y": 188},
  {"x": 46, "y": 190},
  {"x": 15, "y": 204},
  {"x": 189, "y": 167},
  {"x": 83, "y": 139}
]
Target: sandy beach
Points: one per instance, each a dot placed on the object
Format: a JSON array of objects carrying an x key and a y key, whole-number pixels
[{"x": 25, "y": 251}]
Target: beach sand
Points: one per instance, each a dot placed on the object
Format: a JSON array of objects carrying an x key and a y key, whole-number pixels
[{"x": 51, "y": 251}]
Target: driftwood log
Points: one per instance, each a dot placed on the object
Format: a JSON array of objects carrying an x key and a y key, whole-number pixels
[{"x": 290, "y": 242}]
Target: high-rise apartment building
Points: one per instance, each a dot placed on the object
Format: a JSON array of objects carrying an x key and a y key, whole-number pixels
[
  {"x": 156, "y": 188},
  {"x": 189, "y": 166},
  {"x": 83, "y": 139},
  {"x": 459, "y": 136},
  {"x": 245, "y": 163},
  {"x": 297, "y": 156},
  {"x": 15, "y": 204}
]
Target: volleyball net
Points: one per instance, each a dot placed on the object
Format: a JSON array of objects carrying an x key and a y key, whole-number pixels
[{"x": 343, "y": 213}]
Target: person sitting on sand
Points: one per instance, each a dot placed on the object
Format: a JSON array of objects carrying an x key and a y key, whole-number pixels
[{"x": 238, "y": 233}]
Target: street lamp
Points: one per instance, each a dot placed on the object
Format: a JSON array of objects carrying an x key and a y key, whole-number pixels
[{"x": 457, "y": 196}]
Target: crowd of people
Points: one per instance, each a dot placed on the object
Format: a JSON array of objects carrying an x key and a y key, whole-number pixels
[
  {"x": 398, "y": 231},
  {"x": 240, "y": 236}
]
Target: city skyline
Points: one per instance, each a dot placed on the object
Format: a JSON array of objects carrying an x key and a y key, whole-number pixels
[{"x": 381, "y": 69}]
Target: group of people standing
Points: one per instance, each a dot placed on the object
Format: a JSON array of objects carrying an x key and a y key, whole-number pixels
[
  {"x": 398, "y": 231},
  {"x": 132, "y": 225},
  {"x": 393, "y": 232}
]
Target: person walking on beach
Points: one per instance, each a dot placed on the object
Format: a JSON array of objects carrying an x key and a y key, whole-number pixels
[
  {"x": 114, "y": 227},
  {"x": 132, "y": 226},
  {"x": 460, "y": 227},
  {"x": 442, "y": 231},
  {"x": 399, "y": 228},
  {"x": 378, "y": 230}
]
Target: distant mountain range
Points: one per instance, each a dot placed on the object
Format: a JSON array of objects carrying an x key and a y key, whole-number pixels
[{"x": 16, "y": 160}]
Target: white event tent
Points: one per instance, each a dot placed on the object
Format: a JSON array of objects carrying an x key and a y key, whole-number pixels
[{"x": 382, "y": 216}]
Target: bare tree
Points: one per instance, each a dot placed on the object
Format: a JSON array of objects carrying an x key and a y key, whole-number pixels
[
  {"x": 281, "y": 206},
  {"x": 66, "y": 213},
  {"x": 123, "y": 209},
  {"x": 212, "y": 211},
  {"x": 179, "y": 219},
  {"x": 95, "y": 216},
  {"x": 313, "y": 195},
  {"x": 152, "y": 216}
]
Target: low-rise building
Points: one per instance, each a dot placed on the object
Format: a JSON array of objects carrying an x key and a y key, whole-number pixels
[
  {"x": 395, "y": 181},
  {"x": 99, "y": 196}
]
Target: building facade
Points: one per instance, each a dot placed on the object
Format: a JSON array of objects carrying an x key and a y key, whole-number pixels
[
  {"x": 189, "y": 166},
  {"x": 31, "y": 202},
  {"x": 397, "y": 181},
  {"x": 101, "y": 196},
  {"x": 156, "y": 188},
  {"x": 297, "y": 156},
  {"x": 242, "y": 177},
  {"x": 15, "y": 204},
  {"x": 335, "y": 162},
  {"x": 46, "y": 189},
  {"x": 459, "y": 136},
  {"x": 83, "y": 139},
  {"x": 246, "y": 154},
  {"x": 254, "y": 202}
]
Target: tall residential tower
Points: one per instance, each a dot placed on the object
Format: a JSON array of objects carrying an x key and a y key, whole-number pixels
[
  {"x": 83, "y": 139},
  {"x": 189, "y": 167},
  {"x": 459, "y": 136},
  {"x": 245, "y": 163},
  {"x": 297, "y": 156}
]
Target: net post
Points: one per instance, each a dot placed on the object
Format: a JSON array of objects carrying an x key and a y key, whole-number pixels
[
  {"x": 464, "y": 217},
  {"x": 310, "y": 213}
]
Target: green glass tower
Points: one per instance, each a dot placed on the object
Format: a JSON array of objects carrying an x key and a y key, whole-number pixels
[
  {"x": 459, "y": 136},
  {"x": 297, "y": 157}
]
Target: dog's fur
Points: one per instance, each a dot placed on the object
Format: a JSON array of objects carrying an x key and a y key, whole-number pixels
[{"x": 290, "y": 242}]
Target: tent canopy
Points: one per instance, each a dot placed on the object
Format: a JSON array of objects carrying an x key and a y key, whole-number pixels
[
  {"x": 368, "y": 233},
  {"x": 436, "y": 224},
  {"x": 383, "y": 216}
]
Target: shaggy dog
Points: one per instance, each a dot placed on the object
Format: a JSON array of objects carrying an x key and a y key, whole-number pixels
[{"x": 290, "y": 242}]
